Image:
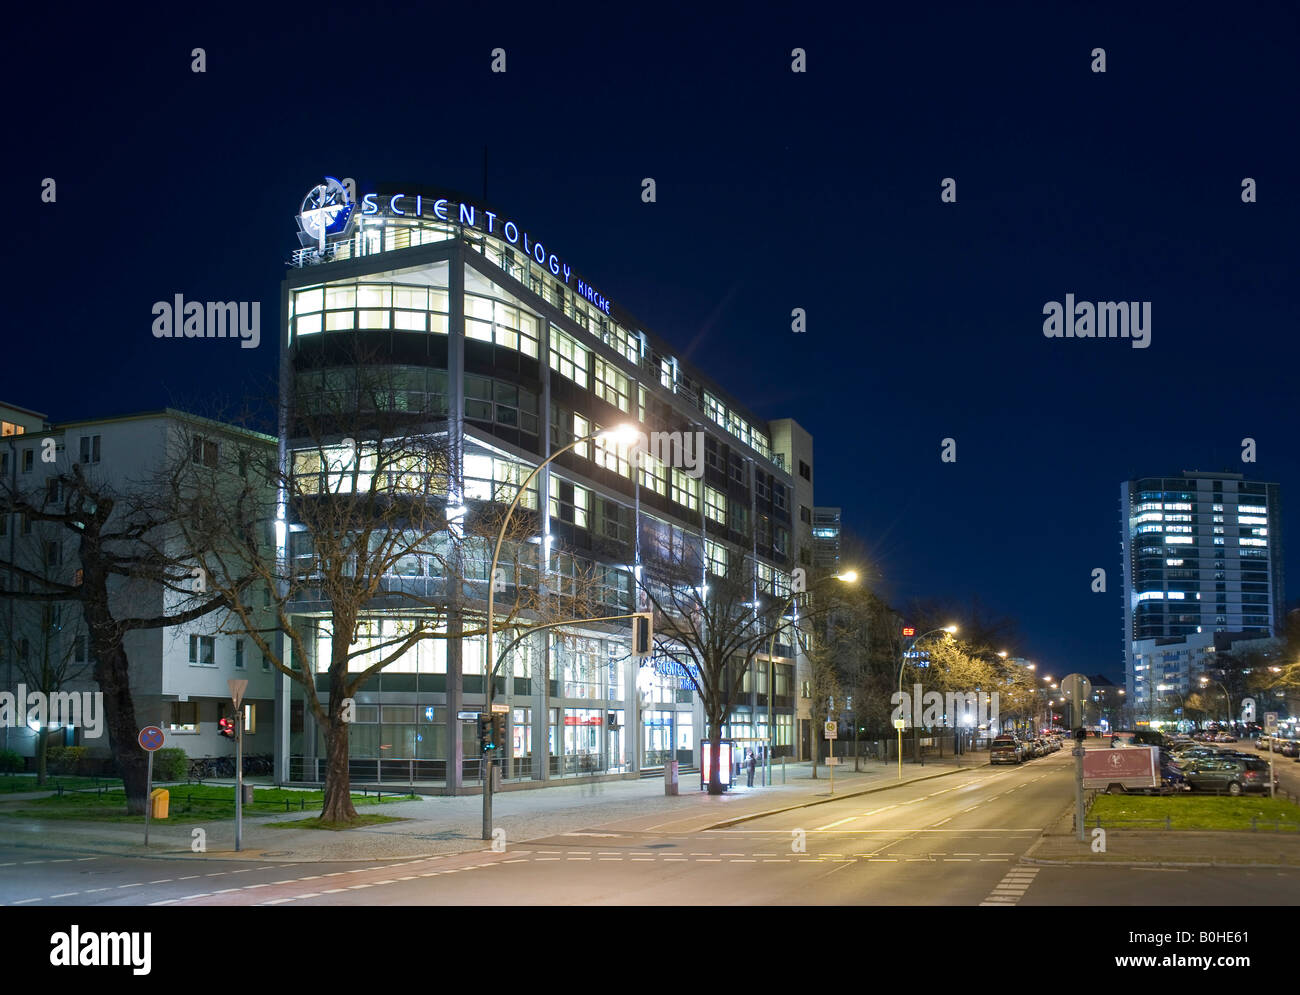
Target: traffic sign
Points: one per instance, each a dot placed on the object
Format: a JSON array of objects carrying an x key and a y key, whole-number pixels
[
  {"x": 832, "y": 730},
  {"x": 467, "y": 716},
  {"x": 151, "y": 738},
  {"x": 500, "y": 709},
  {"x": 237, "y": 689},
  {"x": 1270, "y": 722}
]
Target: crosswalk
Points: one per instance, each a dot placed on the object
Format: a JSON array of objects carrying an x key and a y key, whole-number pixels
[{"x": 1012, "y": 887}]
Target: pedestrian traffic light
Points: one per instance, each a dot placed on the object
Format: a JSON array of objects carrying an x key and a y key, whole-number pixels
[
  {"x": 642, "y": 634},
  {"x": 226, "y": 727}
]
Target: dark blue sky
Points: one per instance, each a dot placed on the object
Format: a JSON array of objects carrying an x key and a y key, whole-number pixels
[{"x": 776, "y": 190}]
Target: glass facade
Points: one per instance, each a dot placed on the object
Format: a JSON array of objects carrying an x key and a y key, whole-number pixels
[{"x": 483, "y": 353}]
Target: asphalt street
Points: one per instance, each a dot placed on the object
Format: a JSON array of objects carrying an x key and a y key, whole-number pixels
[{"x": 952, "y": 840}]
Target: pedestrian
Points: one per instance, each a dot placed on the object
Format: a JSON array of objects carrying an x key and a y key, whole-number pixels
[{"x": 751, "y": 771}]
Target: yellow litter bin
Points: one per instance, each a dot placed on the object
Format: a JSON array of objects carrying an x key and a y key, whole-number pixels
[{"x": 159, "y": 799}]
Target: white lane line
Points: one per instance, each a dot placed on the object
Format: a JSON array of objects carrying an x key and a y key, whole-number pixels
[
  {"x": 26, "y": 900},
  {"x": 66, "y": 894},
  {"x": 162, "y": 881}
]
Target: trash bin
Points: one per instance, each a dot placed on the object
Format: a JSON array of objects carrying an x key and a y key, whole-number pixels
[
  {"x": 159, "y": 799},
  {"x": 670, "y": 777},
  {"x": 248, "y": 794}
]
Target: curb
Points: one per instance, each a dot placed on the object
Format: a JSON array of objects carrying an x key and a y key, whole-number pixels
[{"x": 1151, "y": 863}]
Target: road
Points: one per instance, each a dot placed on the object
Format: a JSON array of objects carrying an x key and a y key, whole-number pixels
[
  {"x": 953, "y": 840},
  {"x": 950, "y": 840}
]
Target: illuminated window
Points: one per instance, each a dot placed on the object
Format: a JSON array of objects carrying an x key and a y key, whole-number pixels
[
  {"x": 654, "y": 475},
  {"x": 717, "y": 555},
  {"x": 567, "y": 357},
  {"x": 610, "y": 384},
  {"x": 715, "y": 504},
  {"x": 685, "y": 490}
]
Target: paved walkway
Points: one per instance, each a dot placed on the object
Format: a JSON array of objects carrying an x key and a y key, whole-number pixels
[{"x": 438, "y": 825}]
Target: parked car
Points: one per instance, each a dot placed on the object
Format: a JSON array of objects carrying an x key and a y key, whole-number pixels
[
  {"x": 1006, "y": 750},
  {"x": 1225, "y": 737},
  {"x": 1262, "y": 743},
  {"x": 1228, "y": 775},
  {"x": 1287, "y": 747}
]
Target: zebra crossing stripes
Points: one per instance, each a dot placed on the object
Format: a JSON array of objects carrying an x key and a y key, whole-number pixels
[{"x": 1012, "y": 887}]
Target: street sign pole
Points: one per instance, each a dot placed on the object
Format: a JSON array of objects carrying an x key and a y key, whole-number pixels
[
  {"x": 237, "y": 689},
  {"x": 150, "y": 739},
  {"x": 239, "y": 780},
  {"x": 148, "y": 798},
  {"x": 1078, "y": 784}
]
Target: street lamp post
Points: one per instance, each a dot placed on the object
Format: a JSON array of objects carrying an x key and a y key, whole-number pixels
[
  {"x": 950, "y": 629},
  {"x": 848, "y": 577},
  {"x": 1227, "y": 697},
  {"x": 623, "y": 433}
]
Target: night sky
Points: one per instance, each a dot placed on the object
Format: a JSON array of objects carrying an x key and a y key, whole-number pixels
[{"x": 776, "y": 190}]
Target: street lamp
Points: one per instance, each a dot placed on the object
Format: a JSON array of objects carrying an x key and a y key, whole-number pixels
[
  {"x": 1227, "y": 697},
  {"x": 847, "y": 577},
  {"x": 950, "y": 629},
  {"x": 625, "y": 434}
]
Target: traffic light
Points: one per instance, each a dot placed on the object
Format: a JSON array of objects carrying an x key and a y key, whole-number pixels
[
  {"x": 642, "y": 634},
  {"x": 226, "y": 727},
  {"x": 491, "y": 732}
]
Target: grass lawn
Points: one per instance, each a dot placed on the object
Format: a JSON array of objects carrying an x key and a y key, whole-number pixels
[
  {"x": 193, "y": 801},
  {"x": 12, "y": 783},
  {"x": 1193, "y": 812},
  {"x": 366, "y": 819}
]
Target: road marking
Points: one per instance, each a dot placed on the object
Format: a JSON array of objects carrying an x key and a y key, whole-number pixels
[
  {"x": 26, "y": 900},
  {"x": 66, "y": 894},
  {"x": 162, "y": 881},
  {"x": 277, "y": 901},
  {"x": 942, "y": 821},
  {"x": 138, "y": 884},
  {"x": 188, "y": 877}
]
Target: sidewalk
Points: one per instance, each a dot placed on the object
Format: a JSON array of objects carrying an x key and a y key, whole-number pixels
[
  {"x": 1059, "y": 844},
  {"x": 442, "y": 825}
]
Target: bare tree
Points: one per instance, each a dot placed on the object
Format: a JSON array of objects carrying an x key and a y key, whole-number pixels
[
  {"x": 713, "y": 621},
  {"x": 45, "y": 640},
  {"x": 129, "y": 573},
  {"x": 381, "y": 545}
]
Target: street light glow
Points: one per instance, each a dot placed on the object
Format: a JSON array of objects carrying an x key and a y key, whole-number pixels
[
  {"x": 623, "y": 435},
  {"x": 849, "y": 576},
  {"x": 950, "y": 629}
]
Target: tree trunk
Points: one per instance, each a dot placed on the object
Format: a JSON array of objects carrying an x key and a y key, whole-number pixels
[
  {"x": 111, "y": 674},
  {"x": 42, "y": 751},
  {"x": 338, "y": 780}
]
